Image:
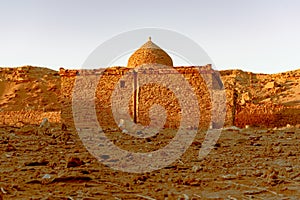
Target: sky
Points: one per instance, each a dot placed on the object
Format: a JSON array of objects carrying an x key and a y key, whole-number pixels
[{"x": 261, "y": 36}]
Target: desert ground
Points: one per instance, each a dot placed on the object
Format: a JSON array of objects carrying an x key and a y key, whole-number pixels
[
  {"x": 51, "y": 162},
  {"x": 244, "y": 164}
]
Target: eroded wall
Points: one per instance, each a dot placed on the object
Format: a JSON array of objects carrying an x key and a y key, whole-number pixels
[{"x": 202, "y": 80}]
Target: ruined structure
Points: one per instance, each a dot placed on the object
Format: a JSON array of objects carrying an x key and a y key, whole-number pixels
[{"x": 147, "y": 63}]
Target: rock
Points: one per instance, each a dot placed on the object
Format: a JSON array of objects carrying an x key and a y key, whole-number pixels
[
  {"x": 266, "y": 100},
  {"x": 228, "y": 177},
  {"x": 246, "y": 96},
  {"x": 74, "y": 162},
  {"x": 196, "y": 168},
  {"x": 231, "y": 128},
  {"x": 45, "y": 123},
  {"x": 37, "y": 163},
  {"x": 270, "y": 85},
  {"x": 288, "y": 169},
  {"x": 243, "y": 102},
  {"x": 46, "y": 176},
  {"x": 184, "y": 197},
  {"x": 258, "y": 173},
  {"x": 191, "y": 181},
  {"x": 65, "y": 179},
  {"x": 44, "y": 127},
  {"x": 281, "y": 80}
]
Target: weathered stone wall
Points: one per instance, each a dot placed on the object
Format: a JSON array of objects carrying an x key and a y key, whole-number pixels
[
  {"x": 67, "y": 84},
  {"x": 112, "y": 80},
  {"x": 262, "y": 100},
  {"x": 267, "y": 115},
  {"x": 239, "y": 108},
  {"x": 22, "y": 117}
]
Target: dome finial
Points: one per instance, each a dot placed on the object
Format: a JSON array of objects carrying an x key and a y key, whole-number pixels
[{"x": 149, "y": 38}]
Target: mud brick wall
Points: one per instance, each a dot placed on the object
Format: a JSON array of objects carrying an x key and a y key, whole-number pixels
[
  {"x": 267, "y": 115},
  {"x": 109, "y": 80},
  {"x": 151, "y": 94},
  {"x": 112, "y": 80},
  {"x": 19, "y": 118},
  {"x": 262, "y": 115},
  {"x": 67, "y": 84},
  {"x": 289, "y": 115}
]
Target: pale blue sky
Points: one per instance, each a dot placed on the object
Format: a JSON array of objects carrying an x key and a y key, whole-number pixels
[{"x": 256, "y": 35}]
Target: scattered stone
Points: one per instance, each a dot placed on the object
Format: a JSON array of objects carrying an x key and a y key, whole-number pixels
[
  {"x": 258, "y": 173},
  {"x": 191, "y": 181},
  {"x": 3, "y": 191},
  {"x": 71, "y": 179},
  {"x": 46, "y": 176},
  {"x": 288, "y": 169},
  {"x": 196, "y": 168},
  {"x": 37, "y": 163},
  {"x": 231, "y": 128},
  {"x": 34, "y": 181},
  {"x": 245, "y": 98},
  {"x": 228, "y": 177},
  {"x": 74, "y": 162},
  {"x": 44, "y": 127},
  {"x": 45, "y": 123}
]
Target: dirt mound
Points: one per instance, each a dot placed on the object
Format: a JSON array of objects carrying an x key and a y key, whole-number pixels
[{"x": 29, "y": 88}]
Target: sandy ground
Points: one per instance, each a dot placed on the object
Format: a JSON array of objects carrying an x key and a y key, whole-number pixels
[{"x": 244, "y": 164}]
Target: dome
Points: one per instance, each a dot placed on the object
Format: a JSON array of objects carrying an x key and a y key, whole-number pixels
[{"x": 149, "y": 53}]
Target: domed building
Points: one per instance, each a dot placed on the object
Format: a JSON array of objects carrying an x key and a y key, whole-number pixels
[
  {"x": 149, "y": 53},
  {"x": 145, "y": 94}
]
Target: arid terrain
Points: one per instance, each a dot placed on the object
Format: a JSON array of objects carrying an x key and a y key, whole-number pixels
[{"x": 49, "y": 161}]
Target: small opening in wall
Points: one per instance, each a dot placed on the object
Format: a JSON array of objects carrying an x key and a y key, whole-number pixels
[{"x": 122, "y": 84}]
